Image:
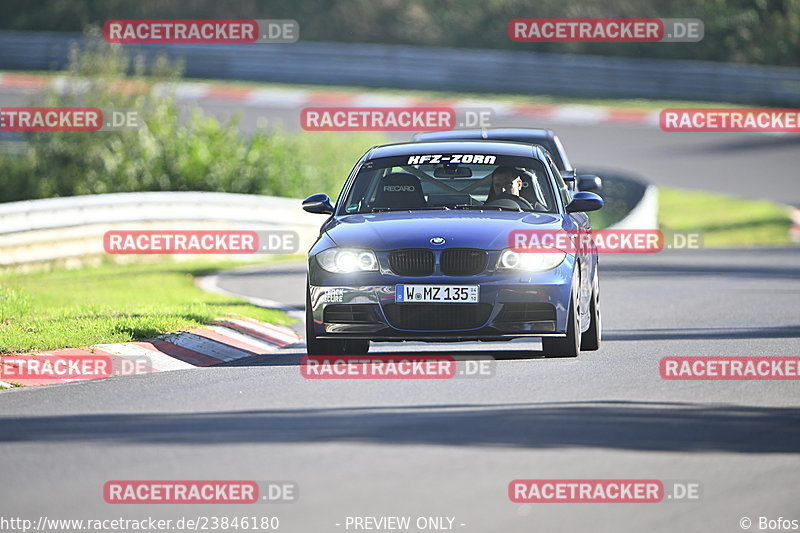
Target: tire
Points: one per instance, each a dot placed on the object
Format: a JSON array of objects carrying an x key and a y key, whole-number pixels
[
  {"x": 315, "y": 346},
  {"x": 570, "y": 345},
  {"x": 590, "y": 340}
]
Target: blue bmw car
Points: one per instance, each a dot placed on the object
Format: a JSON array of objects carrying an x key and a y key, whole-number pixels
[{"x": 417, "y": 249}]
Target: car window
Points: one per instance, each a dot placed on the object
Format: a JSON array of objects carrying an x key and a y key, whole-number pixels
[
  {"x": 563, "y": 190},
  {"x": 410, "y": 182},
  {"x": 560, "y": 155}
]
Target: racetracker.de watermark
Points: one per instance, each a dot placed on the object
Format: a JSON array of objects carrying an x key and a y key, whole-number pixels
[
  {"x": 69, "y": 119},
  {"x": 602, "y": 241},
  {"x": 606, "y": 30},
  {"x": 73, "y": 367},
  {"x": 238, "y": 242},
  {"x": 603, "y": 491},
  {"x": 199, "y": 492},
  {"x": 396, "y": 367},
  {"x": 729, "y": 368},
  {"x": 377, "y": 118},
  {"x": 730, "y": 120},
  {"x": 223, "y": 31},
  {"x": 394, "y": 118}
]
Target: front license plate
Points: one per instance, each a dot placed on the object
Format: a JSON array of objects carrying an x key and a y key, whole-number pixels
[{"x": 436, "y": 293}]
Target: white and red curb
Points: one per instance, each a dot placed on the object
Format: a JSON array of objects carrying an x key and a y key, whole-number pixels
[
  {"x": 295, "y": 98},
  {"x": 292, "y": 98},
  {"x": 225, "y": 340}
]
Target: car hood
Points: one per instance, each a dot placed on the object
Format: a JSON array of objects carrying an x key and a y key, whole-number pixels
[{"x": 487, "y": 230}]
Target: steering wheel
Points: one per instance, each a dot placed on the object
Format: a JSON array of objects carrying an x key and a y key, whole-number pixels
[{"x": 511, "y": 201}]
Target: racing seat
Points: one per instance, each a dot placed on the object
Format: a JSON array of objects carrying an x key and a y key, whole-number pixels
[{"x": 399, "y": 190}]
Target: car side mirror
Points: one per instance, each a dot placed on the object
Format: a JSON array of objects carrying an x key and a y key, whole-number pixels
[
  {"x": 318, "y": 203},
  {"x": 589, "y": 182},
  {"x": 584, "y": 201}
]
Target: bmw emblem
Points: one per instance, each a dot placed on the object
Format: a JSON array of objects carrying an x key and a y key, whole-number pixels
[{"x": 437, "y": 240}]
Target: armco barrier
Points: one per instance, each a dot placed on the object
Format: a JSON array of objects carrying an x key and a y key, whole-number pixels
[
  {"x": 413, "y": 67},
  {"x": 63, "y": 229}
]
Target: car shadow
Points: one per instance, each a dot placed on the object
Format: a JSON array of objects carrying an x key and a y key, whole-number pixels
[
  {"x": 293, "y": 355},
  {"x": 640, "y": 426},
  {"x": 777, "y": 332},
  {"x": 745, "y": 271}
]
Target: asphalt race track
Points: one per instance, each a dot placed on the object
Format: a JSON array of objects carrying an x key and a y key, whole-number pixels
[{"x": 451, "y": 447}]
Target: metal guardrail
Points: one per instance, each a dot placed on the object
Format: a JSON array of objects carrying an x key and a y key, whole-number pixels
[
  {"x": 55, "y": 213},
  {"x": 65, "y": 229},
  {"x": 71, "y": 229},
  {"x": 411, "y": 67}
]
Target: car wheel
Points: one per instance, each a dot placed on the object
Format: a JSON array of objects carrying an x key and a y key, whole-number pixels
[
  {"x": 315, "y": 346},
  {"x": 570, "y": 345},
  {"x": 590, "y": 340}
]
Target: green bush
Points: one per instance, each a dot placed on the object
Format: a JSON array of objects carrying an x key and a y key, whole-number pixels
[{"x": 173, "y": 150}]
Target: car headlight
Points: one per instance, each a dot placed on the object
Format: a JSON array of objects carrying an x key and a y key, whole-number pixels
[
  {"x": 346, "y": 260},
  {"x": 531, "y": 261}
]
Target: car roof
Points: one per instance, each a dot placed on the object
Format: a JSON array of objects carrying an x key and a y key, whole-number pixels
[
  {"x": 467, "y": 147},
  {"x": 530, "y": 135}
]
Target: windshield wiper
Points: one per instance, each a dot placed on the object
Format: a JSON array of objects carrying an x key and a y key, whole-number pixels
[
  {"x": 487, "y": 207},
  {"x": 388, "y": 209}
]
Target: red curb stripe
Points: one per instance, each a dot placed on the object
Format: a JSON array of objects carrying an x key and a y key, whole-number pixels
[
  {"x": 627, "y": 115},
  {"x": 64, "y": 353},
  {"x": 8, "y": 361},
  {"x": 235, "y": 93},
  {"x": 25, "y": 81},
  {"x": 175, "y": 351},
  {"x": 539, "y": 110},
  {"x": 253, "y": 333},
  {"x": 130, "y": 86},
  {"x": 277, "y": 329},
  {"x": 330, "y": 97},
  {"x": 222, "y": 92},
  {"x": 228, "y": 341},
  {"x": 179, "y": 352}
]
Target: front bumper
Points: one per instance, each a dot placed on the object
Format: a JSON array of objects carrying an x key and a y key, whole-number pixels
[{"x": 512, "y": 304}]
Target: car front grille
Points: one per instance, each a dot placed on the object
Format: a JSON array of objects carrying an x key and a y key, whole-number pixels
[
  {"x": 412, "y": 262},
  {"x": 437, "y": 317},
  {"x": 453, "y": 262},
  {"x": 527, "y": 312},
  {"x": 463, "y": 261},
  {"x": 350, "y": 314}
]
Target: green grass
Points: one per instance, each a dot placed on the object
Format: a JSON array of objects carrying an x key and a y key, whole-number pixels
[
  {"x": 111, "y": 303},
  {"x": 724, "y": 220}
]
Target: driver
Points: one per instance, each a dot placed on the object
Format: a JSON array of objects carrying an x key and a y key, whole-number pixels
[{"x": 507, "y": 184}]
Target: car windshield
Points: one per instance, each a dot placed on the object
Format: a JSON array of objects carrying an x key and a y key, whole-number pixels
[
  {"x": 550, "y": 144},
  {"x": 451, "y": 181}
]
